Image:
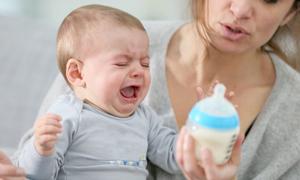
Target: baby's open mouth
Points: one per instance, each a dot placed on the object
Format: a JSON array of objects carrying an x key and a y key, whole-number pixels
[{"x": 130, "y": 91}]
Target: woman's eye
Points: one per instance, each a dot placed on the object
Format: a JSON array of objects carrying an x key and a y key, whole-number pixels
[{"x": 271, "y": 1}]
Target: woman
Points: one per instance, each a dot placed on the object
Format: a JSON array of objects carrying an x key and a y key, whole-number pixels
[
  {"x": 229, "y": 42},
  {"x": 233, "y": 48}
]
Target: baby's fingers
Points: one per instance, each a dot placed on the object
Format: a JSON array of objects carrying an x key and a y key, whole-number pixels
[
  {"x": 52, "y": 116},
  {"x": 48, "y": 130},
  {"x": 48, "y": 119},
  {"x": 46, "y": 141}
]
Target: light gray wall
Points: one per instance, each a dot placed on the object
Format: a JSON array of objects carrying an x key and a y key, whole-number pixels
[{"x": 53, "y": 11}]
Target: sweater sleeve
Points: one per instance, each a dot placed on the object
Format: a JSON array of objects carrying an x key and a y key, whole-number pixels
[
  {"x": 38, "y": 167},
  {"x": 161, "y": 143}
]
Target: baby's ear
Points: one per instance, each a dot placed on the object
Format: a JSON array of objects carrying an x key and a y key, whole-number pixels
[{"x": 74, "y": 72}]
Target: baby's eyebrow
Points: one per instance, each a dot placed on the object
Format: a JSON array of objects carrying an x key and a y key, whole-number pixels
[
  {"x": 129, "y": 57},
  {"x": 118, "y": 56}
]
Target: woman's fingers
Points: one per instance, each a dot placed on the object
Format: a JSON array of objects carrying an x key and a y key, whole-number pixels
[
  {"x": 212, "y": 87},
  {"x": 10, "y": 171},
  {"x": 236, "y": 151},
  {"x": 7, "y": 169},
  {"x": 208, "y": 164},
  {"x": 179, "y": 150},
  {"x": 190, "y": 165},
  {"x": 214, "y": 171},
  {"x": 4, "y": 159},
  {"x": 200, "y": 93},
  {"x": 207, "y": 170},
  {"x": 185, "y": 155},
  {"x": 226, "y": 171}
]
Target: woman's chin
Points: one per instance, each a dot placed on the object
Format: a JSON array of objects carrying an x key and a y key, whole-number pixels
[{"x": 231, "y": 48}]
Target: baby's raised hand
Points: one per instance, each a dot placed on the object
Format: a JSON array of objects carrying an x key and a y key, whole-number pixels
[{"x": 46, "y": 131}]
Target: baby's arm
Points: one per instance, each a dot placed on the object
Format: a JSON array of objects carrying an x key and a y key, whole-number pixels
[
  {"x": 162, "y": 144},
  {"x": 42, "y": 156},
  {"x": 46, "y": 131}
]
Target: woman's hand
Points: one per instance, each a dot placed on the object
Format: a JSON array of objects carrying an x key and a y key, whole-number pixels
[
  {"x": 8, "y": 171},
  {"x": 206, "y": 169}
]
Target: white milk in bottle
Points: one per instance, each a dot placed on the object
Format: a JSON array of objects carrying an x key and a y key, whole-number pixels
[{"x": 214, "y": 124}]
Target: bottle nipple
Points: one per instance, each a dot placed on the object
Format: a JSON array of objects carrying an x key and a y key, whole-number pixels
[{"x": 219, "y": 91}]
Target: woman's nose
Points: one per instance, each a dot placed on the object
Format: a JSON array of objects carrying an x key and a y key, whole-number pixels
[{"x": 242, "y": 9}]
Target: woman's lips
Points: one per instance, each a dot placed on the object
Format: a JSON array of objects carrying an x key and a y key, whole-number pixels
[{"x": 234, "y": 33}]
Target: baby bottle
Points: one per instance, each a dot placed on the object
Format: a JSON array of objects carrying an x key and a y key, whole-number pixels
[{"x": 214, "y": 123}]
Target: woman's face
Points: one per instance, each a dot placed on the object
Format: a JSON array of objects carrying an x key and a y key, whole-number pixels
[{"x": 240, "y": 26}]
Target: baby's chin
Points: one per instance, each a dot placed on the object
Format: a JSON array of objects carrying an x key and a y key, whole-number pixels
[
  {"x": 126, "y": 111},
  {"x": 118, "y": 110}
]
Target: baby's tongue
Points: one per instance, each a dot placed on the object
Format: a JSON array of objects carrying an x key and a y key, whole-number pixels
[{"x": 128, "y": 91}]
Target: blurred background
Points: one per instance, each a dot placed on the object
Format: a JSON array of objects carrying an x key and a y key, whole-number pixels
[{"x": 53, "y": 11}]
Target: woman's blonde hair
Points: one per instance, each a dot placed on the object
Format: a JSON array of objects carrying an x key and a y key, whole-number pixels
[
  {"x": 80, "y": 26},
  {"x": 285, "y": 42}
]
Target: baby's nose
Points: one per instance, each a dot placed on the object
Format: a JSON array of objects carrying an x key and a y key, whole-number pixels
[{"x": 138, "y": 70}]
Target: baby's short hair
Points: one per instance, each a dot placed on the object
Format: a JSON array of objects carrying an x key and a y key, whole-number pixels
[{"x": 80, "y": 25}]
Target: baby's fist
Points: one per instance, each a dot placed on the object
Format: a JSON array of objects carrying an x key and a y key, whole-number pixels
[{"x": 46, "y": 131}]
